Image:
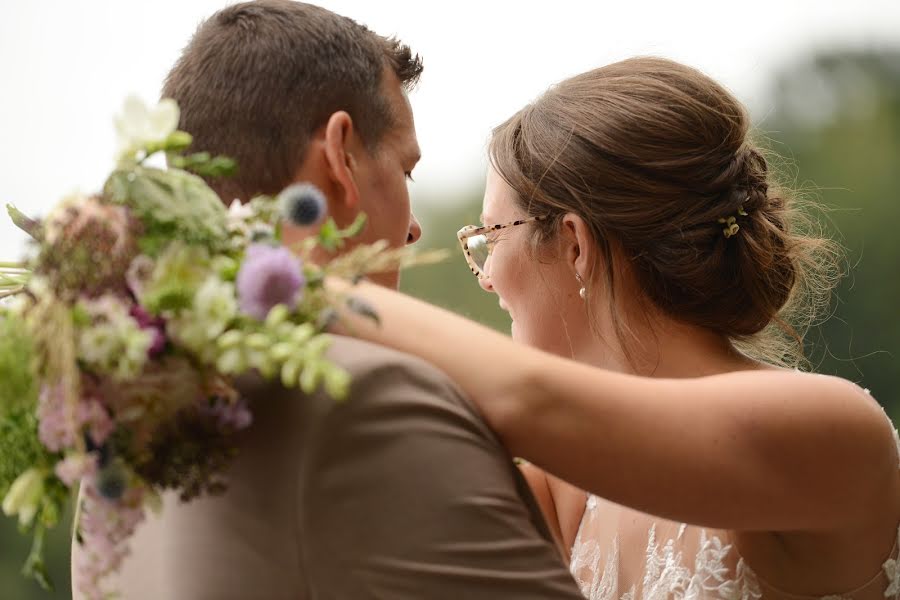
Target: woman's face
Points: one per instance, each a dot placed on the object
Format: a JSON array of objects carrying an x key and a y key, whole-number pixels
[{"x": 538, "y": 289}]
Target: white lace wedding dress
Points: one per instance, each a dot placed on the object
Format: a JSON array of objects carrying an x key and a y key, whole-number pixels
[{"x": 667, "y": 560}]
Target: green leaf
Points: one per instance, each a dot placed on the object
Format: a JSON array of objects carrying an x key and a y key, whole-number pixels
[
  {"x": 356, "y": 227},
  {"x": 18, "y": 386},
  {"x": 329, "y": 236},
  {"x": 35, "y": 567},
  {"x": 172, "y": 204},
  {"x": 20, "y": 447},
  {"x": 23, "y": 222},
  {"x": 177, "y": 141}
]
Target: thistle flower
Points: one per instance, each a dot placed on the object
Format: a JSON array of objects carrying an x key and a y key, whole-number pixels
[
  {"x": 302, "y": 204},
  {"x": 112, "y": 480},
  {"x": 269, "y": 275}
]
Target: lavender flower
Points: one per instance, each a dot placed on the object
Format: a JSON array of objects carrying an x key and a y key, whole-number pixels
[
  {"x": 302, "y": 204},
  {"x": 230, "y": 415},
  {"x": 269, "y": 275}
]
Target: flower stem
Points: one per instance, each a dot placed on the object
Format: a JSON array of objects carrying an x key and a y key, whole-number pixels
[{"x": 10, "y": 293}]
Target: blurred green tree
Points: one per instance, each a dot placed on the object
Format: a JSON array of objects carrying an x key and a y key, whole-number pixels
[{"x": 837, "y": 121}]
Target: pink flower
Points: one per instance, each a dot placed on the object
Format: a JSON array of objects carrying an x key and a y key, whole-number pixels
[
  {"x": 105, "y": 527},
  {"x": 58, "y": 429},
  {"x": 269, "y": 275},
  {"x": 76, "y": 467}
]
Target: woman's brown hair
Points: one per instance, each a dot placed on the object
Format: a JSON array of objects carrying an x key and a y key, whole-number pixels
[{"x": 652, "y": 155}]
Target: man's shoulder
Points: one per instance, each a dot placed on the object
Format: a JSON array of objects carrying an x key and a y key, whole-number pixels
[{"x": 362, "y": 360}]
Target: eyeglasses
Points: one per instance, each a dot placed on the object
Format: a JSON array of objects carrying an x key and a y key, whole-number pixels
[{"x": 477, "y": 246}]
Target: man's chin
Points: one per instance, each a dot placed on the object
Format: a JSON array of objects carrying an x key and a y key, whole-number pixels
[{"x": 389, "y": 280}]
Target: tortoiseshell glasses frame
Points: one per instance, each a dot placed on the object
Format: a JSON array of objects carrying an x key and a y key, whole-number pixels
[{"x": 477, "y": 245}]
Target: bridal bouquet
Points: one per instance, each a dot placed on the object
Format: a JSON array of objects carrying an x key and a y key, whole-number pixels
[{"x": 121, "y": 333}]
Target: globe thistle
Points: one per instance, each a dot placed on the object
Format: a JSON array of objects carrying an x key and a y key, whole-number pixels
[
  {"x": 303, "y": 204},
  {"x": 112, "y": 481}
]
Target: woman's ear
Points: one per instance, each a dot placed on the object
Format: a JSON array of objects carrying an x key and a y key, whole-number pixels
[
  {"x": 579, "y": 245},
  {"x": 341, "y": 141}
]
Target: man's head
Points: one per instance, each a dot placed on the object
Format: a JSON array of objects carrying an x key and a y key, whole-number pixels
[{"x": 295, "y": 92}]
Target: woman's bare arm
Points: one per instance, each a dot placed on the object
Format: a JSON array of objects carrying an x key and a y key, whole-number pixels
[{"x": 762, "y": 450}]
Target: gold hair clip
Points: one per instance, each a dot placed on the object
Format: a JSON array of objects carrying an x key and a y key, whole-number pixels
[{"x": 730, "y": 223}]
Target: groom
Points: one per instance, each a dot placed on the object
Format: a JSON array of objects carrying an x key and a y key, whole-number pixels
[{"x": 401, "y": 491}]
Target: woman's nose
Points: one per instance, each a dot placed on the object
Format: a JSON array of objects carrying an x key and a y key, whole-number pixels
[
  {"x": 485, "y": 280},
  {"x": 485, "y": 284}
]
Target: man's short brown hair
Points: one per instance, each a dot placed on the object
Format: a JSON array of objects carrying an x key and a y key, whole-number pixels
[{"x": 258, "y": 78}]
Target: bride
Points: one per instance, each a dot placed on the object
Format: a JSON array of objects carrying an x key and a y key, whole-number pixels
[{"x": 660, "y": 281}]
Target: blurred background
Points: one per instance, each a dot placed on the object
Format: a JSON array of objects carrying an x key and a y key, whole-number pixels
[{"x": 822, "y": 81}]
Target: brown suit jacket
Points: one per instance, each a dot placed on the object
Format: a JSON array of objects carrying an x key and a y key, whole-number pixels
[{"x": 401, "y": 491}]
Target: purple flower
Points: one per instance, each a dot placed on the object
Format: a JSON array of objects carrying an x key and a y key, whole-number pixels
[
  {"x": 157, "y": 324},
  {"x": 231, "y": 415},
  {"x": 269, "y": 275}
]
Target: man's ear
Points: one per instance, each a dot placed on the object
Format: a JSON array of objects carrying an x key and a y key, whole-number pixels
[
  {"x": 578, "y": 244},
  {"x": 341, "y": 141}
]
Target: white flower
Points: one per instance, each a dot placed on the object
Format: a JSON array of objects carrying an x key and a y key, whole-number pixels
[
  {"x": 24, "y": 496},
  {"x": 239, "y": 216},
  {"x": 139, "y": 125},
  {"x": 113, "y": 342},
  {"x": 238, "y": 211},
  {"x": 215, "y": 306}
]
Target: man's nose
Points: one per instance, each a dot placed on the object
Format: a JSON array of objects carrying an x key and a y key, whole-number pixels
[{"x": 415, "y": 230}]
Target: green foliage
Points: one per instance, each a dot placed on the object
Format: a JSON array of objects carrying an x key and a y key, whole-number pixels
[
  {"x": 18, "y": 387},
  {"x": 332, "y": 238},
  {"x": 23, "y": 222},
  {"x": 172, "y": 204},
  {"x": 20, "y": 447},
  {"x": 203, "y": 164},
  {"x": 280, "y": 347},
  {"x": 176, "y": 277},
  {"x": 837, "y": 118}
]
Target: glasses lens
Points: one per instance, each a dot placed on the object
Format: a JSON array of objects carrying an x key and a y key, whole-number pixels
[{"x": 478, "y": 249}]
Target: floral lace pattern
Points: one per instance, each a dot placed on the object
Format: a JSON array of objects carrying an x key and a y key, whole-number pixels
[{"x": 669, "y": 574}]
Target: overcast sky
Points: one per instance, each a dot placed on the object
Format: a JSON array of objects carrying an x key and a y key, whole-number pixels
[{"x": 66, "y": 66}]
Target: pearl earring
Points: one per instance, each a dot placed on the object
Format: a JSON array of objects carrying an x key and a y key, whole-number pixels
[{"x": 583, "y": 291}]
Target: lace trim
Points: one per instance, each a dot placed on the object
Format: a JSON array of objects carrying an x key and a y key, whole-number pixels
[{"x": 666, "y": 576}]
